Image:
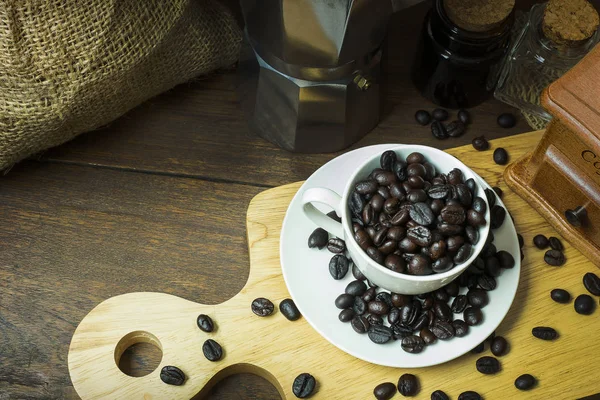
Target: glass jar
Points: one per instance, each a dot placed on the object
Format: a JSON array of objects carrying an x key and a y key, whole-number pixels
[
  {"x": 456, "y": 68},
  {"x": 533, "y": 63}
]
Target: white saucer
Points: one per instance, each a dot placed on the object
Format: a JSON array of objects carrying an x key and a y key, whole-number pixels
[{"x": 307, "y": 277}]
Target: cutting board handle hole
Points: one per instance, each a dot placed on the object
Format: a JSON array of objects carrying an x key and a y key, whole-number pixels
[{"x": 138, "y": 353}]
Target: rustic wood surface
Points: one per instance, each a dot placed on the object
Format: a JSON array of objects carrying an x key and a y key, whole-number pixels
[
  {"x": 265, "y": 346},
  {"x": 156, "y": 202}
]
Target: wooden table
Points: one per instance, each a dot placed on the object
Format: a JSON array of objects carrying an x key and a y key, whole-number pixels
[{"x": 156, "y": 202}]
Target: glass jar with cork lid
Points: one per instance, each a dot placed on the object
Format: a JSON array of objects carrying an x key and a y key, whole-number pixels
[
  {"x": 555, "y": 36},
  {"x": 460, "y": 51}
]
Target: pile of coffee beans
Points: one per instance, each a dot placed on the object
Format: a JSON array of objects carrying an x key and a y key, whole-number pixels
[
  {"x": 413, "y": 219},
  {"x": 443, "y": 131},
  {"x": 584, "y": 304},
  {"x": 555, "y": 255}
]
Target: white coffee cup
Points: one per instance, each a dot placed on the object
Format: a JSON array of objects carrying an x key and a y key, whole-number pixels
[{"x": 377, "y": 273}]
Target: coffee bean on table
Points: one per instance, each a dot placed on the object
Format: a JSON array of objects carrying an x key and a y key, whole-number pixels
[
  {"x": 499, "y": 346},
  {"x": 346, "y": 315},
  {"x": 555, "y": 243},
  {"x": 541, "y": 241},
  {"x": 455, "y": 129},
  {"x": 469, "y": 395},
  {"x": 478, "y": 298},
  {"x": 506, "y": 120},
  {"x": 480, "y": 143},
  {"x": 439, "y": 395},
  {"x": 544, "y": 333},
  {"x": 384, "y": 391},
  {"x": 554, "y": 257},
  {"x": 438, "y": 130},
  {"x": 584, "y": 304},
  {"x": 459, "y": 304},
  {"x": 262, "y": 307},
  {"x": 289, "y": 310},
  {"x": 560, "y": 296},
  {"x": 303, "y": 385},
  {"x": 172, "y": 375},
  {"x": 439, "y": 114},
  {"x": 488, "y": 365},
  {"x": 460, "y": 328},
  {"x": 422, "y": 117},
  {"x": 500, "y": 156},
  {"x": 591, "y": 282},
  {"x": 338, "y": 266},
  {"x": 379, "y": 334},
  {"x": 318, "y": 238},
  {"x": 360, "y": 324},
  {"x": 525, "y": 382},
  {"x": 356, "y": 288},
  {"x": 498, "y": 191},
  {"x": 336, "y": 245},
  {"x": 212, "y": 350},
  {"x": 464, "y": 116},
  {"x": 408, "y": 385},
  {"x": 479, "y": 348},
  {"x": 412, "y": 344},
  {"x": 205, "y": 323},
  {"x": 473, "y": 316}
]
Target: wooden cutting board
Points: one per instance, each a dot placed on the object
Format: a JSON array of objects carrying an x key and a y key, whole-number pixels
[{"x": 279, "y": 350}]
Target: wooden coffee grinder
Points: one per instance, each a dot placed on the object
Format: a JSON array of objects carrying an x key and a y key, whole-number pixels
[{"x": 561, "y": 178}]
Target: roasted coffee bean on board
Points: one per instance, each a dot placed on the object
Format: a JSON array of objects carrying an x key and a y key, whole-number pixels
[
  {"x": 555, "y": 258},
  {"x": 303, "y": 385},
  {"x": 438, "y": 130},
  {"x": 541, "y": 242},
  {"x": 464, "y": 116},
  {"x": 544, "y": 333},
  {"x": 555, "y": 243},
  {"x": 500, "y": 156},
  {"x": 469, "y": 395},
  {"x": 408, "y": 385},
  {"x": 488, "y": 365},
  {"x": 499, "y": 346},
  {"x": 289, "y": 310},
  {"x": 525, "y": 382},
  {"x": 205, "y": 323},
  {"x": 212, "y": 350},
  {"x": 422, "y": 117},
  {"x": 384, "y": 391},
  {"x": 172, "y": 375},
  {"x": 560, "y": 296},
  {"x": 591, "y": 281},
  {"x": 506, "y": 120},
  {"x": 455, "y": 129},
  {"x": 584, "y": 304},
  {"x": 439, "y": 114},
  {"x": 439, "y": 395},
  {"x": 262, "y": 307}
]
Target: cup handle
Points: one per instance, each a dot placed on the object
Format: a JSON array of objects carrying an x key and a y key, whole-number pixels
[{"x": 329, "y": 198}]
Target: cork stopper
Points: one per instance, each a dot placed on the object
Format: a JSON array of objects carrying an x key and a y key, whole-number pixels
[
  {"x": 478, "y": 15},
  {"x": 569, "y": 23}
]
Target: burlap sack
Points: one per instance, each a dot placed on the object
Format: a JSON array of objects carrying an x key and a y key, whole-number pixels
[{"x": 69, "y": 66}]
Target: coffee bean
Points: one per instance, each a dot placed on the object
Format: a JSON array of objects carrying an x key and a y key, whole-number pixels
[
  {"x": 498, "y": 191},
  {"x": 497, "y": 215},
  {"x": 378, "y": 307},
  {"x": 212, "y": 350},
  {"x": 472, "y": 282},
  {"x": 442, "y": 311},
  {"x": 336, "y": 245},
  {"x": 400, "y": 300},
  {"x": 459, "y": 304},
  {"x": 380, "y": 236},
  {"x": 463, "y": 254},
  {"x": 486, "y": 282},
  {"x": 387, "y": 160},
  {"x": 379, "y": 334},
  {"x": 541, "y": 241},
  {"x": 346, "y": 315},
  {"x": 338, "y": 266},
  {"x": 375, "y": 254},
  {"x": 455, "y": 129},
  {"x": 408, "y": 385},
  {"x": 374, "y": 319},
  {"x": 442, "y": 330},
  {"x": 555, "y": 243},
  {"x": 356, "y": 203},
  {"x": 506, "y": 120},
  {"x": 419, "y": 265},
  {"x": 205, "y": 323},
  {"x": 359, "y": 306},
  {"x": 344, "y": 301},
  {"x": 396, "y": 233},
  {"x": 521, "y": 240},
  {"x": 584, "y": 304},
  {"x": 488, "y": 365},
  {"x": 439, "y": 114},
  {"x": 439, "y": 395},
  {"x": 356, "y": 288},
  {"x": 464, "y": 116},
  {"x": 412, "y": 344},
  {"x": 554, "y": 258},
  {"x": 452, "y": 289},
  {"x": 360, "y": 324},
  {"x": 172, "y": 375},
  {"x": 480, "y": 143},
  {"x": 318, "y": 238},
  {"x": 449, "y": 229},
  {"x": 369, "y": 295},
  {"x": 427, "y": 336},
  {"x": 469, "y": 395},
  {"x": 490, "y": 196},
  {"x": 419, "y": 235},
  {"x": 498, "y": 346},
  {"x": 525, "y": 382},
  {"x": 453, "y": 214},
  {"x": 560, "y": 296},
  {"x": 385, "y": 297},
  {"x": 489, "y": 251},
  {"x": 289, "y": 310},
  {"x": 492, "y": 266},
  {"x": 401, "y": 217},
  {"x": 461, "y": 328},
  {"x": 400, "y": 331},
  {"x": 385, "y": 178},
  {"x": 422, "y": 117},
  {"x": 479, "y": 205},
  {"x": 442, "y": 265},
  {"x": 395, "y": 263},
  {"x": 438, "y": 130},
  {"x": 591, "y": 282},
  {"x": 387, "y": 390},
  {"x": 421, "y": 322},
  {"x": 303, "y": 385},
  {"x": 473, "y": 316},
  {"x": 416, "y": 196},
  {"x": 410, "y": 312},
  {"x": 478, "y": 298},
  {"x": 506, "y": 259},
  {"x": 479, "y": 348},
  {"x": 366, "y": 187},
  {"x": 471, "y": 185},
  {"x": 500, "y": 156},
  {"x": 544, "y": 333},
  {"x": 262, "y": 307},
  {"x": 441, "y": 296}
]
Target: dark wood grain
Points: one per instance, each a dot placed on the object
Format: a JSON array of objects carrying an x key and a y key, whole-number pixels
[{"x": 199, "y": 128}]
